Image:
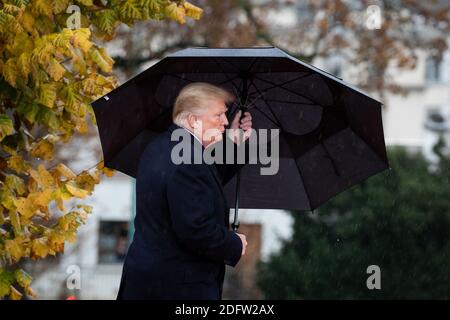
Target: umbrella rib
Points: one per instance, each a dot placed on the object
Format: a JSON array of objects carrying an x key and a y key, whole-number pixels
[
  {"x": 275, "y": 85},
  {"x": 252, "y": 102},
  {"x": 236, "y": 89},
  {"x": 252, "y": 64},
  {"x": 232, "y": 64},
  {"x": 267, "y": 104},
  {"x": 280, "y": 86},
  {"x": 228, "y": 80},
  {"x": 221, "y": 83},
  {"x": 257, "y": 108},
  {"x": 292, "y": 102},
  {"x": 298, "y": 169},
  {"x": 265, "y": 115},
  {"x": 175, "y": 75},
  {"x": 336, "y": 170}
]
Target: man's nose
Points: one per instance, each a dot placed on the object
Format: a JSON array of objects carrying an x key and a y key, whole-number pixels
[{"x": 225, "y": 120}]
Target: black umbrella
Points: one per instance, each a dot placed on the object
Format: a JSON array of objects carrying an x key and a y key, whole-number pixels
[{"x": 331, "y": 133}]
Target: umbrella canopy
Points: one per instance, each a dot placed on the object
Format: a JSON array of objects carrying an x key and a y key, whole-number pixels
[{"x": 331, "y": 133}]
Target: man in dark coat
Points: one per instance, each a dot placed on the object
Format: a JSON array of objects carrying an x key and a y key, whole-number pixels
[{"x": 182, "y": 239}]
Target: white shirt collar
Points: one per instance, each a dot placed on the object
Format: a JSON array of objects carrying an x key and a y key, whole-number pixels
[{"x": 193, "y": 135}]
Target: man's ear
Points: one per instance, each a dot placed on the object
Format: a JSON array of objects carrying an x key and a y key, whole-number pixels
[{"x": 192, "y": 120}]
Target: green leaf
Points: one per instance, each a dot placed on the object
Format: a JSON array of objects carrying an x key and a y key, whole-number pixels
[
  {"x": 129, "y": 10},
  {"x": 29, "y": 110},
  {"x": 48, "y": 94},
  {"x": 4, "y": 287},
  {"x": 22, "y": 278},
  {"x": 6, "y": 126},
  {"x": 15, "y": 183},
  {"x": 102, "y": 59},
  {"x": 87, "y": 3},
  {"x": 107, "y": 20},
  {"x": 49, "y": 118}
]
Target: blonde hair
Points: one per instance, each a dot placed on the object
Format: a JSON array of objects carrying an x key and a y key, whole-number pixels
[{"x": 192, "y": 98}]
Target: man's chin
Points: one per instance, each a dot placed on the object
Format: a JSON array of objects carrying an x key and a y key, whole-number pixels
[{"x": 213, "y": 140}]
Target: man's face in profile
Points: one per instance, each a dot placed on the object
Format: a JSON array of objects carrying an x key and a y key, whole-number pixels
[{"x": 213, "y": 121}]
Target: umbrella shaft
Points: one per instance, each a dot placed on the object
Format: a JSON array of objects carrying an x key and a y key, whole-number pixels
[
  {"x": 243, "y": 102},
  {"x": 235, "y": 224}
]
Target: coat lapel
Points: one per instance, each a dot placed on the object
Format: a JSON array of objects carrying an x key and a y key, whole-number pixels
[{"x": 196, "y": 144}]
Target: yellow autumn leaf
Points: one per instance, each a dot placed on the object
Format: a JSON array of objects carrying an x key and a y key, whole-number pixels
[
  {"x": 43, "y": 177},
  {"x": 76, "y": 191},
  {"x": 86, "y": 208},
  {"x": 175, "y": 12},
  {"x": 71, "y": 100},
  {"x": 81, "y": 39},
  {"x": 90, "y": 86},
  {"x": 95, "y": 174},
  {"x": 192, "y": 11},
  {"x": 81, "y": 125},
  {"x": 60, "y": 6},
  {"x": 65, "y": 221},
  {"x": 104, "y": 63},
  {"x": 42, "y": 53},
  {"x": 23, "y": 64},
  {"x": 48, "y": 94},
  {"x": 86, "y": 2},
  {"x": 39, "y": 248},
  {"x": 108, "y": 83},
  {"x": 65, "y": 194},
  {"x": 71, "y": 236},
  {"x": 15, "y": 183},
  {"x": 27, "y": 21},
  {"x": 44, "y": 7},
  {"x": 55, "y": 242},
  {"x": 22, "y": 278},
  {"x": 14, "y": 294},
  {"x": 15, "y": 247},
  {"x": 79, "y": 65},
  {"x": 41, "y": 198},
  {"x": 86, "y": 181},
  {"x": 6, "y": 198},
  {"x": 10, "y": 72},
  {"x": 65, "y": 171},
  {"x": 108, "y": 172},
  {"x": 25, "y": 207},
  {"x": 30, "y": 292},
  {"x": 60, "y": 203},
  {"x": 15, "y": 222},
  {"x": 101, "y": 167},
  {"x": 43, "y": 150},
  {"x": 10, "y": 8},
  {"x": 18, "y": 164},
  {"x": 55, "y": 69}
]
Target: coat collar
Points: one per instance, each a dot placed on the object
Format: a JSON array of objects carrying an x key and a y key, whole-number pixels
[
  {"x": 197, "y": 144},
  {"x": 194, "y": 140}
]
